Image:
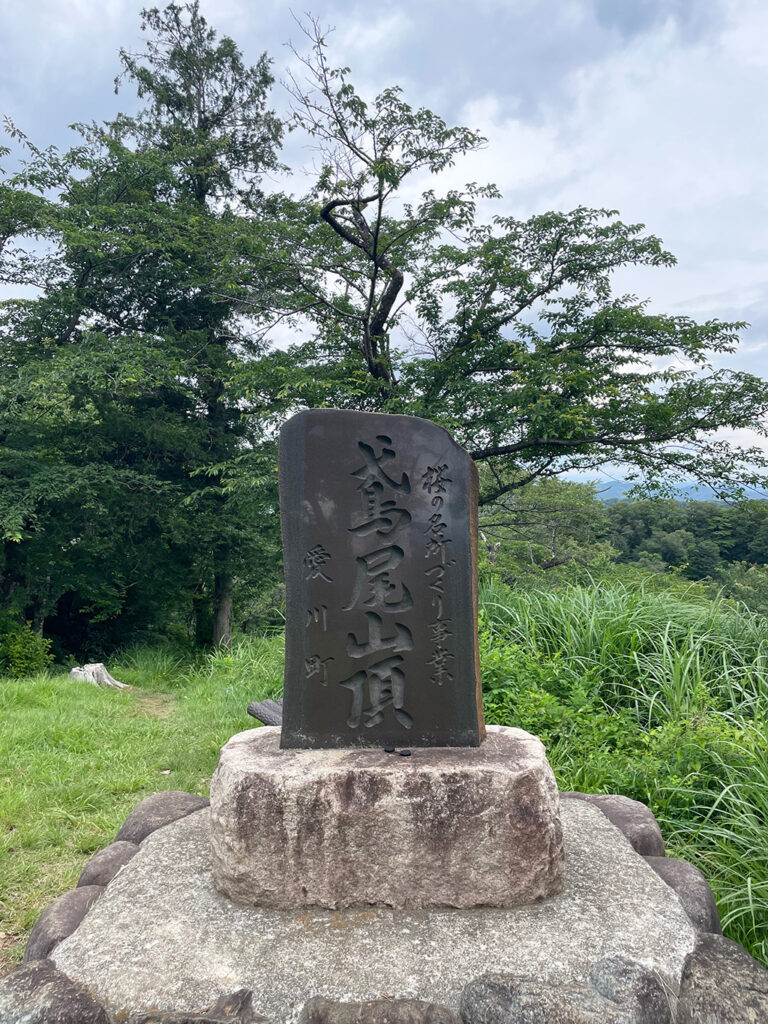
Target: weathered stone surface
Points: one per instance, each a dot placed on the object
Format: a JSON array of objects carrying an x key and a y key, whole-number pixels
[
  {"x": 37, "y": 993},
  {"x": 722, "y": 984},
  {"x": 376, "y": 1011},
  {"x": 616, "y": 992},
  {"x": 235, "y": 1008},
  {"x": 162, "y": 937},
  {"x": 156, "y": 811},
  {"x": 59, "y": 919},
  {"x": 642, "y": 993},
  {"x": 631, "y": 817},
  {"x": 104, "y": 865},
  {"x": 380, "y": 551},
  {"x": 445, "y": 827},
  {"x": 693, "y": 890}
]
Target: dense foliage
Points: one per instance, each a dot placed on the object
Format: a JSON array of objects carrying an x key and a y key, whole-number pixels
[
  {"x": 140, "y": 395},
  {"x": 134, "y": 485},
  {"x": 563, "y": 531}
]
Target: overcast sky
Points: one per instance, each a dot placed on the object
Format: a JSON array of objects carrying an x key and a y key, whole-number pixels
[{"x": 653, "y": 107}]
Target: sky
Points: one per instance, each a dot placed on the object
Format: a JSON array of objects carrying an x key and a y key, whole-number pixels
[{"x": 652, "y": 107}]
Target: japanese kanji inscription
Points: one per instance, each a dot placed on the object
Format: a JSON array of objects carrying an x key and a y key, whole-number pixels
[{"x": 379, "y": 535}]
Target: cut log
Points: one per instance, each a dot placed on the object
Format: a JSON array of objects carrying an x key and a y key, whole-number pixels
[
  {"x": 97, "y": 674},
  {"x": 270, "y": 712}
]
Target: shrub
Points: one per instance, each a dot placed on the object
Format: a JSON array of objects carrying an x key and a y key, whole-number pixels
[{"x": 23, "y": 652}]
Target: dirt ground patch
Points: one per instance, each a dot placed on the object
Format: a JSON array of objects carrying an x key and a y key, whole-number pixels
[{"x": 154, "y": 705}]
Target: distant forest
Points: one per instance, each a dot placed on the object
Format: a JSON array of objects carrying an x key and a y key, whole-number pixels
[{"x": 560, "y": 530}]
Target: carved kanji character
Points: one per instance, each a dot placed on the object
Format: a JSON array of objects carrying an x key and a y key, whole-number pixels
[
  {"x": 439, "y": 662},
  {"x": 372, "y": 470},
  {"x": 382, "y": 516},
  {"x": 440, "y": 631},
  {"x": 319, "y": 615},
  {"x": 315, "y": 666},
  {"x": 436, "y": 547},
  {"x": 401, "y": 641},
  {"x": 386, "y": 687},
  {"x": 314, "y": 560},
  {"x": 373, "y": 578},
  {"x": 434, "y": 481}
]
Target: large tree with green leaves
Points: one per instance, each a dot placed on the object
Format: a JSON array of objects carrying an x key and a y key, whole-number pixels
[
  {"x": 133, "y": 474},
  {"x": 507, "y": 332}
]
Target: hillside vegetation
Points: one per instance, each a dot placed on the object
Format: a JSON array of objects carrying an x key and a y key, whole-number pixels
[{"x": 659, "y": 695}]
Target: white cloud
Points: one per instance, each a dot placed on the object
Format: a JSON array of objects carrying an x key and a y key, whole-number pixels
[
  {"x": 673, "y": 136},
  {"x": 371, "y": 37}
]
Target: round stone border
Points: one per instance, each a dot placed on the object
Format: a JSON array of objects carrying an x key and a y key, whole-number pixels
[
  {"x": 719, "y": 976},
  {"x": 62, "y": 917}
]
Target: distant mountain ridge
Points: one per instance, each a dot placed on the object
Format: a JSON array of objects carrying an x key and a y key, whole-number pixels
[{"x": 611, "y": 491}]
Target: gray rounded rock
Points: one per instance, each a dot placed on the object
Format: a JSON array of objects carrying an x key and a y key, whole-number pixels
[
  {"x": 104, "y": 865},
  {"x": 59, "y": 920},
  {"x": 38, "y": 993},
  {"x": 376, "y": 1011},
  {"x": 634, "y": 819},
  {"x": 632, "y": 986},
  {"x": 693, "y": 890},
  {"x": 722, "y": 984},
  {"x": 618, "y": 991},
  {"x": 158, "y": 810}
]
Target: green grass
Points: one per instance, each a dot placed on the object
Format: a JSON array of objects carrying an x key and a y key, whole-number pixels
[
  {"x": 661, "y": 696},
  {"x": 74, "y": 759}
]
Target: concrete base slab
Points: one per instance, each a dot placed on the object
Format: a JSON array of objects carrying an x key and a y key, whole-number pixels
[
  {"x": 162, "y": 937},
  {"x": 446, "y": 826}
]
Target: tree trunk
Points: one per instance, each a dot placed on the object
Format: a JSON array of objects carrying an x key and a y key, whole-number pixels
[
  {"x": 38, "y": 619},
  {"x": 223, "y": 586}
]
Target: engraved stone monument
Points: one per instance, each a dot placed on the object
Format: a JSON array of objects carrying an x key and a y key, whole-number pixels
[
  {"x": 379, "y": 534},
  {"x": 379, "y": 528}
]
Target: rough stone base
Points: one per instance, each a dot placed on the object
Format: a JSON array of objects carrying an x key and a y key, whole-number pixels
[
  {"x": 162, "y": 937},
  {"x": 447, "y": 826}
]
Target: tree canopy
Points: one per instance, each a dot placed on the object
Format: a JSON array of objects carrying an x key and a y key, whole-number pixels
[
  {"x": 509, "y": 332},
  {"x": 140, "y": 390},
  {"x": 131, "y": 473}
]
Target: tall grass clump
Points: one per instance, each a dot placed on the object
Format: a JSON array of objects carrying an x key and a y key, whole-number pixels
[
  {"x": 728, "y": 837},
  {"x": 660, "y": 696},
  {"x": 652, "y": 651}
]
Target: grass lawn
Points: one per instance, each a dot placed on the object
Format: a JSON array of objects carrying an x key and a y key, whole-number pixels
[{"x": 75, "y": 759}]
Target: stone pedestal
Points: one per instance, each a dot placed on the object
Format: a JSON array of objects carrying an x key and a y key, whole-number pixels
[
  {"x": 162, "y": 939},
  {"x": 445, "y": 827}
]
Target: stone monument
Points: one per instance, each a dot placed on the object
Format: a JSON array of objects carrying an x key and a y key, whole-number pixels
[
  {"x": 379, "y": 518},
  {"x": 379, "y": 531},
  {"x": 334, "y": 878}
]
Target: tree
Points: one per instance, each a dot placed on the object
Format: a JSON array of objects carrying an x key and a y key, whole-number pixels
[
  {"x": 672, "y": 548},
  {"x": 127, "y": 438},
  {"x": 539, "y": 528},
  {"x": 703, "y": 560},
  {"x": 506, "y": 332}
]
